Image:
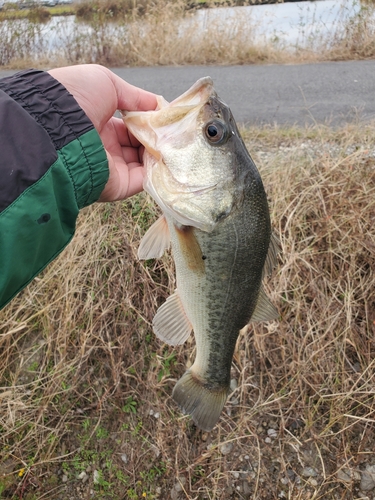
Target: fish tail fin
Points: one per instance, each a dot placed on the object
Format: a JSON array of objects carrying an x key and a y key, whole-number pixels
[{"x": 203, "y": 404}]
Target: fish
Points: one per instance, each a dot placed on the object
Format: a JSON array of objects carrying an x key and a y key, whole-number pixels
[{"x": 215, "y": 217}]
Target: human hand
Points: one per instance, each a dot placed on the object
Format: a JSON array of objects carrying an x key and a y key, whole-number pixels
[{"x": 100, "y": 93}]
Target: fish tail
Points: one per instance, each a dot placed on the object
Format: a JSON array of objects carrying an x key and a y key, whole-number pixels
[{"x": 198, "y": 400}]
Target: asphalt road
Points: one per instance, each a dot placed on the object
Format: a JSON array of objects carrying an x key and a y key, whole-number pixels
[{"x": 333, "y": 93}]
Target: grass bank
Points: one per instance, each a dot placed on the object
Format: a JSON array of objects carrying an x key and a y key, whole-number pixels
[
  {"x": 165, "y": 33},
  {"x": 85, "y": 406},
  {"x": 38, "y": 14}
]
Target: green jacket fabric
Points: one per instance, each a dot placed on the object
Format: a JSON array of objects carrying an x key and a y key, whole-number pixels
[{"x": 52, "y": 164}]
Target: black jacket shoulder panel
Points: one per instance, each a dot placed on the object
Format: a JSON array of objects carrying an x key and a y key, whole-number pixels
[
  {"x": 49, "y": 103},
  {"x": 26, "y": 150},
  {"x": 38, "y": 117}
]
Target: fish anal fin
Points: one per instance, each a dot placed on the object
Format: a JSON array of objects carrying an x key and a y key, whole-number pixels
[
  {"x": 196, "y": 399},
  {"x": 190, "y": 248},
  {"x": 155, "y": 241},
  {"x": 264, "y": 310},
  {"x": 170, "y": 324}
]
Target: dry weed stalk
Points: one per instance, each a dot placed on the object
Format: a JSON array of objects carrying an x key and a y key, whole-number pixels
[{"x": 83, "y": 378}]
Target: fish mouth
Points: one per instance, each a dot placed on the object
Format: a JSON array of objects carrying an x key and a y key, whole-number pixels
[
  {"x": 197, "y": 94},
  {"x": 143, "y": 124},
  {"x": 198, "y": 115}
]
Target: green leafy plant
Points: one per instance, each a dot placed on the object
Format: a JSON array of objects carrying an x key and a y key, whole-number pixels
[{"x": 130, "y": 405}]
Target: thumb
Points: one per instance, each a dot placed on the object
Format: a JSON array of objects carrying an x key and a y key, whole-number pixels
[{"x": 131, "y": 98}]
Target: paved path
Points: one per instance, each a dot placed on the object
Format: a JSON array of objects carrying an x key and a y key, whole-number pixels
[{"x": 332, "y": 93}]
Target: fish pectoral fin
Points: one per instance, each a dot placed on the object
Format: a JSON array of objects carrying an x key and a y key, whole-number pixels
[
  {"x": 170, "y": 324},
  {"x": 271, "y": 260},
  {"x": 155, "y": 241},
  {"x": 203, "y": 404},
  {"x": 264, "y": 310}
]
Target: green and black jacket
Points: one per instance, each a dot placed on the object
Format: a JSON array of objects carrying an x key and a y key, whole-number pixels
[{"x": 52, "y": 164}]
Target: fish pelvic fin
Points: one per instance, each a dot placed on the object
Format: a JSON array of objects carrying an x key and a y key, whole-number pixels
[
  {"x": 264, "y": 309},
  {"x": 196, "y": 399},
  {"x": 170, "y": 324},
  {"x": 156, "y": 240}
]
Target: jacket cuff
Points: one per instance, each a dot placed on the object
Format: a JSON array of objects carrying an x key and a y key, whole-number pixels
[{"x": 87, "y": 165}]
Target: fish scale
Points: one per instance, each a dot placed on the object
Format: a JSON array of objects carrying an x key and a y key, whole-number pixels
[{"x": 221, "y": 301}]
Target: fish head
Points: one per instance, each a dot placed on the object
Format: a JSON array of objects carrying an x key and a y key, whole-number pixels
[{"x": 194, "y": 157}]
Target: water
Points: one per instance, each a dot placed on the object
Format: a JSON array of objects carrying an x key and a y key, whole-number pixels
[
  {"x": 297, "y": 24},
  {"x": 288, "y": 24}
]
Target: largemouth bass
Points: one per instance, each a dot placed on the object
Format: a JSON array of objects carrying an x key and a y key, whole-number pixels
[{"x": 216, "y": 217}]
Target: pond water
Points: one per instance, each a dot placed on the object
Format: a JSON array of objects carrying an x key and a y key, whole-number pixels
[{"x": 291, "y": 24}]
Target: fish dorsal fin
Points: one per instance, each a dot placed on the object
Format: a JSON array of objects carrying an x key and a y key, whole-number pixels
[
  {"x": 156, "y": 240},
  {"x": 170, "y": 324},
  {"x": 273, "y": 250},
  {"x": 264, "y": 310}
]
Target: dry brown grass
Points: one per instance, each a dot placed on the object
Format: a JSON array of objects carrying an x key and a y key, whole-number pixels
[
  {"x": 166, "y": 34},
  {"x": 85, "y": 386}
]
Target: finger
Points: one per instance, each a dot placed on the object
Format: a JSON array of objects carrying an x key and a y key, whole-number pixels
[
  {"x": 132, "y": 98},
  {"x": 123, "y": 182},
  {"x": 118, "y": 143},
  {"x": 131, "y": 156},
  {"x": 124, "y": 136},
  {"x": 136, "y": 175}
]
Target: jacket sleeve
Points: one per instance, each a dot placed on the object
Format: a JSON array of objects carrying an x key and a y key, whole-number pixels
[{"x": 52, "y": 164}]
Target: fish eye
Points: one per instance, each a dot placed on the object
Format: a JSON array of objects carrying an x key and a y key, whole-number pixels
[{"x": 216, "y": 132}]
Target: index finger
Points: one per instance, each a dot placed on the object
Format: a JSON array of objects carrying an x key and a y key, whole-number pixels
[{"x": 124, "y": 136}]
